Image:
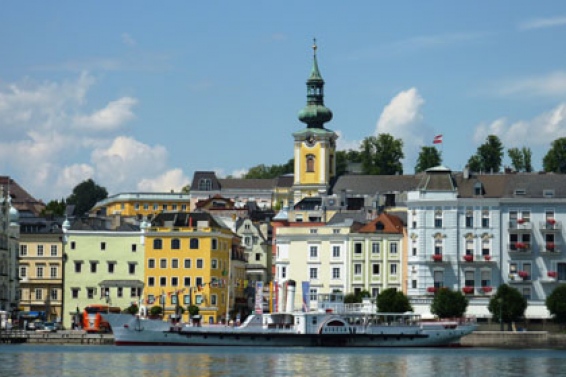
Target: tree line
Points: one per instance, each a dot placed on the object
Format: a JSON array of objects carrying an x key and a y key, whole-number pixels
[{"x": 382, "y": 155}]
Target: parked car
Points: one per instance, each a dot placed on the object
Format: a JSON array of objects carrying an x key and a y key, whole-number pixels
[
  {"x": 51, "y": 326},
  {"x": 35, "y": 326}
]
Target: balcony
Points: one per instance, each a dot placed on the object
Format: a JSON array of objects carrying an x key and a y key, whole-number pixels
[
  {"x": 519, "y": 247},
  {"x": 468, "y": 258},
  {"x": 432, "y": 290},
  {"x": 484, "y": 258},
  {"x": 550, "y": 226},
  {"x": 551, "y": 248},
  {"x": 519, "y": 277},
  {"x": 487, "y": 290},
  {"x": 439, "y": 258},
  {"x": 520, "y": 226}
]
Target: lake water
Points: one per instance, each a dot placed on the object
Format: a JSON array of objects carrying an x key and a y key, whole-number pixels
[{"x": 28, "y": 360}]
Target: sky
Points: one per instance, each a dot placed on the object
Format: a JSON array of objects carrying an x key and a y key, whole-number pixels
[{"x": 138, "y": 95}]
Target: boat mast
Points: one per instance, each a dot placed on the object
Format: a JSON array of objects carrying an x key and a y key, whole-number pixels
[{"x": 229, "y": 285}]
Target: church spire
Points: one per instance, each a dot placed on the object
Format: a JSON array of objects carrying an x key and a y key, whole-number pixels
[{"x": 315, "y": 114}]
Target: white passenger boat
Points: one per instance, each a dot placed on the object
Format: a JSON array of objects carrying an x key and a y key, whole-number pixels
[{"x": 332, "y": 325}]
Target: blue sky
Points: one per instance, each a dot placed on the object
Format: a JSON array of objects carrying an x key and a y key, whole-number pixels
[{"x": 138, "y": 95}]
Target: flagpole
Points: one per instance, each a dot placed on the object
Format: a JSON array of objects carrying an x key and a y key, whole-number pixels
[{"x": 229, "y": 284}]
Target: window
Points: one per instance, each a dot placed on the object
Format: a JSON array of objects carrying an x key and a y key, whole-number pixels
[
  {"x": 335, "y": 231},
  {"x": 214, "y": 264},
  {"x": 414, "y": 283},
  {"x": 93, "y": 267},
  {"x": 214, "y": 244},
  {"x": 485, "y": 247},
  {"x": 375, "y": 248},
  {"x": 136, "y": 206},
  {"x": 198, "y": 281},
  {"x": 174, "y": 281},
  {"x": 162, "y": 281},
  {"x": 175, "y": 244},
  {"x": 146, "y": 206},
  {"x": 438, "y": 218},
  {"x": 438, "y": 247},
  {"x": 283, "y": 272},
  {"x": 163, "y": 263},
  {"x": 335, "y": 251},
  {"x": 313, "y": 252},
  {"x": 157, "y": 244},
  {"x": 54, "y": 250},
  {"x": 485, "y": 219},
  {"x": 90, "y": 293},
  {"x": 78, "y": 267},
  {"x": 393, "y": 248},
  {"x": 376, "y": 269},
  {"x": 357, "y": 269},
  {"x": 486, "y": 278},
  {"x": 151, "y": 281},
  {"x": 39, "y": 271},
  {"x": 469, "y": 279},
  {"x": 73, "y": 245},
  {"x": 151, "y": 263},
  {"x": 469, "y": 218},
  {"x": 358, "y": 248},
  {"x": 205, "y": 184},
  {"x": 23, "y": 250},
  {"x": 183, "y": 207},
  {"x": 313, "y": 231},
  {"x": 39, "y": 294},
  {"x": 374, "y": 292},
  {"x": 164, "y": 207},
  {"x": 54, "y": 294},
  {"x": 313, "y": 294},
  {"x": 193, "y": 243},
  {"x": 469, "y": 247},
  {"x": 133, "y": 292},
  {"x": 200, "y": 263},
  {"x": 174, "y": 263},
  {"x": 187, "y": 263},
  {"x": 310, "y": 163},
  {"x": 131, "y": 268},
  {"x": 103, "y": 246},
  {"x": 527, "y": 293},
  {"x": 335, "y": 273},
  {"x": 438, "y": 279},
  {"x": 313, "y": 273},
  {"x": 75, "y": 293},
  {"x": 414, "y": 251},
  {"x": 257, "y": 257},
  {"x": 23, "y": 271},
  {"x": 213, "y": 300},
  {"x": 393, "y": 268},
  {"x": 187, "y": 281},
  {"x": 111, "y": 267},
  {"x": 39, "y": 250}
]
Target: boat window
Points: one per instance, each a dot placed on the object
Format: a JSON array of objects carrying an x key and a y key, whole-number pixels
[{"x": 314, "y": 320}]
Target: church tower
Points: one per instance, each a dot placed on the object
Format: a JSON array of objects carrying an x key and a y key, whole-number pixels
[{"x": 315, "y": 146}]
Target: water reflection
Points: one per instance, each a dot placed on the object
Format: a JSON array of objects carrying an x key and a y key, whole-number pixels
[{"x": 109, "y": 361}]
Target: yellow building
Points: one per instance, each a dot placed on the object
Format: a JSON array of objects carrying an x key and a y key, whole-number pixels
[
  {"x": 187, "y": 262},
  {"x": 315, "y": 146},
  {"x": 142, "y": 205}
]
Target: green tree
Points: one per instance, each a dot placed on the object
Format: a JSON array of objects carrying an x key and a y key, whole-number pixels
[
  {"x": 447, "y": 304},
  {"x": 356, "y": 298},
  {"x": 508, "y": 304},
  {"x": 132, "y": 309},
  {"x": 556, "y": 303},
  {"x": 193, "y": 310},
  {"x": 393, "y": 301},
  {"x": 265, "y": 172},
  {"x": 85, "y": 195},
  {"x": 488, "y": 157},
  {"x": 54, "y": 207},
  {"x": 155, "y": 310},
  {"x": 344, "y": 158},
  {"x": 555, "y": 158},
  {"x": 521, "y": 159},
  {"x": 382, "y": 155},
  {"x": 429, "y": 157}
]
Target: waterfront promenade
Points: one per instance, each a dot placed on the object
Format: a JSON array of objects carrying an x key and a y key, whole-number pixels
[{"x": 59, "y": 337}]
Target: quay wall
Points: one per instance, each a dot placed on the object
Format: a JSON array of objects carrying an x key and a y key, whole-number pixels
[
  {"x": 60, "y": 337},
  {"x": 514, "y": 339}
]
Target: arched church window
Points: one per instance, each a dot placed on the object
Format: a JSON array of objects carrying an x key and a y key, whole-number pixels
[{"x": 310, "y": 163}]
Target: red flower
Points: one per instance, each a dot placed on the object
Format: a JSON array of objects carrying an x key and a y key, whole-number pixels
[
  {"x": 551, "y": 274},
  {"x": 468, "y": 258},
  {"x": 487, "y": 289},
  {"x": 431, "y": 289},
  {"x": 468, "y": 290},
  {"x": 487, "y": 257},
  {"x": 551, "y": 221},
  {"x": 437, "y": 257},
  {"x": 523, "y": 274},
  {"x": 520, "y": 221},
  {"x": 550, "y": 245}
]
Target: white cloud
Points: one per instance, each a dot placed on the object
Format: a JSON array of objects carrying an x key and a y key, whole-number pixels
[
  {"x": 549, "y": 126},
  {"x": 343, "y": 144},
  {"x": 403, "y": 119},
  {"x": 173, "y": 179},
  {"x": 112, "y": 117},
  {"x": 553, "y": 84},
  {"x": 541, "y": 23}
]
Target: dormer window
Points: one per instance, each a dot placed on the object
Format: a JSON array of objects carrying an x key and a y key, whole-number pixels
[
  {"x": 478, "y": 189},
  {"x": 520, "y": 192},
  {"x": 205, "y": 184},
  {"x": 548, "y": 193}
]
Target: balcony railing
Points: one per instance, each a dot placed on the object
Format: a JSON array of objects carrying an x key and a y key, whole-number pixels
[
  {"x": 520, "y": 226},
  {"x": 550, "y": 225},
  {"x": 519, "y": 247}
]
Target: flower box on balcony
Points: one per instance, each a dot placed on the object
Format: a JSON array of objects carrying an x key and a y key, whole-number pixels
[
  {"x": 468, "y": 258},
  {"x": 551, "y": 221},
  {"x": 520, "y": 245},
  {"x": 468, "y": 290},
  {"x": 521, "y": 221},
  {"x": 550, "y": 246},
  {"x": 437, "y": 257},
  {"x": 523, "y": 274},
  {"x": 552, "y": 274},
  {"x": 486, "y": 289},
  {"x": 432, "y": 289},
  {"x": 487, "y": 257}
]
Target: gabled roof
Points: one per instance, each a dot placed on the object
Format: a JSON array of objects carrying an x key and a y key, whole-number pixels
[
  {"x": 372, "y": 184},
  {"x": 184, "y": 219},
  {"x": 210, "y": 175},
  {"x": 21, "y": 199},
  {"x": 384, "y": 223}
]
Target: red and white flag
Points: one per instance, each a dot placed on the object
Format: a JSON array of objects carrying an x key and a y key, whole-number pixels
[{"x": 437, "y": 139}]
